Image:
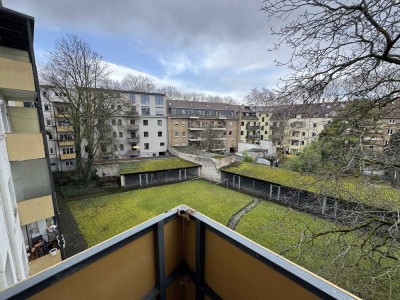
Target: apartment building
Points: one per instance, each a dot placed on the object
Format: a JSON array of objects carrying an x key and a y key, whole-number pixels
[
  {"x": 139, "y": 129},
  {"x": 249, "y": 129},
  {"x": 203, "y": 125},
  {"x": 27, "y": 199}
]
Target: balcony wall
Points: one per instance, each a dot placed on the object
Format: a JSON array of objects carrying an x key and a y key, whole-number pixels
[
  {"x": 24, "y": 146},
  {"x": 66, "y": 143},
  {"x": 16, "y": 75},
  {"x": 177, "y": 258},
  {"x": 65, "y": 128},
  {"x": 68, "y": 156},
  {"x": 23, "y": 119},
  {"x": 27, "y": 186},
  {"x": 35, "y": 209}
]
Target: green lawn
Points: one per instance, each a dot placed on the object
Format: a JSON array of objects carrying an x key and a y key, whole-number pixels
[
  {"x": 100, "y": 218},
  {"x": 276, "y": 227},
  {"x": 152, "y": 165}
]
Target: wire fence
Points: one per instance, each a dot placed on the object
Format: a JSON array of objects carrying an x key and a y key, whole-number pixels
[{"x": 160, "y": 177}]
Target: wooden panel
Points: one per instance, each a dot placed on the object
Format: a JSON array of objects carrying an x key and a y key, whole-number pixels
[
  {"x": 189, "y": 244},
  {"x": 35, "y": 209},
  {"x": 24, "y": 146},
  {"x": 127, "y": 273},
  {"x": 234, "y": 274},
  {"x": 16, "y": 75},
  {"x": 189, "y": 291},
  {"x": 42, "y": 263},
  {"x": 173, "y": 245}
]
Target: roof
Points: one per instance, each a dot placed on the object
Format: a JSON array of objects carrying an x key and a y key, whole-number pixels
[
  {"x": 202, "y": 105},
  {"x": 153, "y": 165},
  {"x": 349, "y": 189},
  {"x": 14, "y": 29}
]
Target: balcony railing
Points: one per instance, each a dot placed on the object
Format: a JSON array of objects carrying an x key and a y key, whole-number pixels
[
  {"x": 132, "y": 127},
  {"x": 133, "y": 139},
  {"x": 63, "y": 142},
  {"x": 62, "y": 115},
  {"x": 68, "y": 156},
  {"x": 252, "y": 127},
  {"x": 182, "y": 254},
  {"x": 65, "y": 128},
  {"x": 133, "y": 153}
]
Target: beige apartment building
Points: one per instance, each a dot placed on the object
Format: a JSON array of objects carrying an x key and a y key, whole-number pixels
[
  {"x": 203, "y": 125},
  {"x": 28, "y": 219}
]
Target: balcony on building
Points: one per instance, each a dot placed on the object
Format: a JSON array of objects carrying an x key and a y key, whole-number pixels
[
  {"x": 180, "y": 254},
  {"x": 67, "y": 156},
  {"x": 252, "y": 127},
  {"x": 133, "y": 139},
  {"x": 298, "y": 125},
  {"x": 133, "y": 152},
  {"x": 64, "y": 142},
  {"x": 16, "y": 74},
  {"x": 65, "y": 128},
  {"x": 132, "y": 127},
  {"x": 196, "y": 126}
]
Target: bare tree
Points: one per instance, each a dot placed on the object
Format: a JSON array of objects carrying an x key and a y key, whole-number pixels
[
  {"x": 355, "y": 43},
  {"x": 349, "y": 50},
  {"x": 79, "y": 76},
  {"x": 138, "y": 83}
]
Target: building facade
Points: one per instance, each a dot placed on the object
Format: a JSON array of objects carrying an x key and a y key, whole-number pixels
[
  {"x": 203, "y": 125},
  {"x": 27, "y": 198},
  {"x": 139, "y": 129}
]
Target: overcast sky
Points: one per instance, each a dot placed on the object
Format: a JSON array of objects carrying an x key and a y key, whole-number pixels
[{"x": 216, "y": 46}]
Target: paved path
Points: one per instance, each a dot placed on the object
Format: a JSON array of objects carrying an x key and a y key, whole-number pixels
[{"x": 234, "y": 220}]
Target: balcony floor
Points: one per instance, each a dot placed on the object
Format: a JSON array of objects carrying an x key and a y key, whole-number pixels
[{"x": 44, "y": 262}]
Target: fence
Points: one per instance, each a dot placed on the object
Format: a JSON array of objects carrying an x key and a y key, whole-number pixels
[
  {"x": 313, "y": 203},
  {"x": 160, "y": 177}
]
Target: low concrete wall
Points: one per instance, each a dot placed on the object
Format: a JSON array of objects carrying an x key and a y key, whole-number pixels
[
  {"x": 210, "y": 166},
  {"x": 107, "y": 169}
]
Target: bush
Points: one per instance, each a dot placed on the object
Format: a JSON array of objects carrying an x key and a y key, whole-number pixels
[
  {"x": 62, "y": 181},
  {"x": 110, "y": 186},
  {"x": 247, "y": 157}
]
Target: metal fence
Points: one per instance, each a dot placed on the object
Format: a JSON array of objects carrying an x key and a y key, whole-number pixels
[
  {"x": 314, "y": 203},
  {"x": 160, "y": 177}
]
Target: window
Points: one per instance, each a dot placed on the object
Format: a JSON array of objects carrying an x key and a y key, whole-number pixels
[
  {"x": 302, "y": 142},
  {"x": 314, "y": 125},
  {"x": 115, "y": 148},
  {"x": 173, "y": 111},
  {"x": 119, "y": 107},
  {"x": 230, "y": 132},
  {"x": 391, "y": 121},
  {"x": 46, "y": 107},
  {"x": 69, "y": 163},
  {"x": 230, "y": 123},
  {"x": 183, "y": 123},
  {"x": 112, "y": 106},
  {"x": 266, "y": 132},
  {"x": 114, "y": 134},
  {"x": 131, "y": 122},
  {"x": 145, "y": 122},
  {"x": 50, "y": 135},
  {"x": 121, "y": 147},
  {"x": 160, "y": 133},
  {"x": 386, "y": 142},
  {"x": 159, "y": 111},
  {"x": 146, "y": 134},
  {"x": 176, "y": 123},
  {"x": 313, "y": 134},
  {"x": 262, "y": 119},
  {"x": 390, "y": 131},
  {"x": 183, "y": 111},
  {"x": 145, "y": 99},
  {"x": 121, "y": 134},
  {"x": 159, "y": 122},
  {"x": 113, "y": 122},
  {"x": 162, "y": 144},
  {"x": 68, "y": 150},
  {"x": 86, "y": 149},
  {"x": 56, "y": 94},
  {"x": 159, "y": 100},
  {"x": 48, "y": 122},
  {"x": 176, "y": 133},
  {"x": 184, "y": 133},
  {"x": 242, "y": 132},
  {"x": 119, "y": 122},
  {"x": 132, "y": 98},
  {"x": 146, "y": 146},
  {"x": 51, "y": 150},
  {"x": 44, "y": 93},
  {"x": 242, "y": 124},
  {"x": 304, "y": 134},
  {"x": 145, "y": 111}
]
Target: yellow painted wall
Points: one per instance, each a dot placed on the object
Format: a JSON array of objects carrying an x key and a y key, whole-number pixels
[
  {"x": 23, "y": 119},
  {"x": 16, "y": 75},
  {"x": 24, "y": 146},
  {"x": 35, "y": 209}
]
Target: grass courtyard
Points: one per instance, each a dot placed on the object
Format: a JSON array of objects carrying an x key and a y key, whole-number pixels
[{"x": 276, "y": 227}]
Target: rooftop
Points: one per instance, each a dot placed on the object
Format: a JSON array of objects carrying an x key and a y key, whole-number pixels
[
  {"x": 153, "y": 165},
  {"x": 349, "y": 189},
  {"x": 202, "y": 105}
]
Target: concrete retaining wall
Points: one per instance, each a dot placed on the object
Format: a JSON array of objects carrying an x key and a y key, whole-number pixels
[
  {"x": 107, "y": 169},
  {"x": 210, "y": 166}
]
